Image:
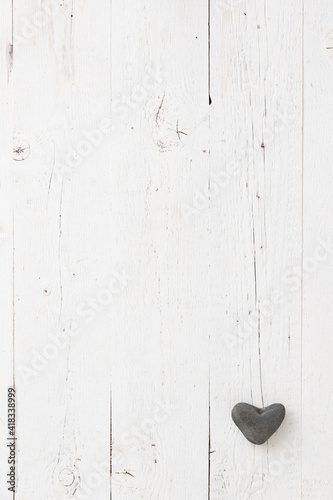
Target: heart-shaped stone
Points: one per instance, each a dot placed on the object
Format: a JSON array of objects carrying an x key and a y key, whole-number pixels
[{"x": 258, "y": 424}]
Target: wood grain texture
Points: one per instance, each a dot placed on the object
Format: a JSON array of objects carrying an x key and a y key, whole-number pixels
[
  {"x": 63, "y": 256},
  {"x": 160, "y": 368},
  {"x": 317, "y": 311},
  {"x": 166, "y": 246},
  {"x": 255, "y": 226},
  {"x": 6, "y": 234}
]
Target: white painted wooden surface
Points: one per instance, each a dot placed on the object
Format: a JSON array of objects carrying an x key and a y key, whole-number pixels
[{"x": 166, "y": 246}]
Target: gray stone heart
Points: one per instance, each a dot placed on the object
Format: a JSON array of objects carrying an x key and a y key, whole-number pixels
[{"x": 258, "y": 424}]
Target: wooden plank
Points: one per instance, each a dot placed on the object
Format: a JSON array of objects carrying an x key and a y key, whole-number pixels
[
  {"x": 63, "y": 248},
  {"x": 317, "y": 256},
  {"x": 160, "y": 353},
  {"x": 255, "y": 226},
  {"x": 7, "y": 375}
]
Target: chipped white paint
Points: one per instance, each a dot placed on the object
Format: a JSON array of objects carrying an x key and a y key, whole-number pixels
[{"x": 166, "y": 246}]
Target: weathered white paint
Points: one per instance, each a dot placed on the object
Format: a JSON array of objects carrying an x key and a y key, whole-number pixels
[{"x": 165, "y": 239}]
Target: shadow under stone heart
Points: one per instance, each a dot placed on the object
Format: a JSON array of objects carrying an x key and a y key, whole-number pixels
[{"x": 258, "y": 424}]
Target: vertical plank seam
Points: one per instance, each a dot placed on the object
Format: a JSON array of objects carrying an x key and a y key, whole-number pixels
[
  {"x": 110, "y": 373},
  {"x": 13, "y": 257},
  {"x": 208, "y": 358},
  {"x": 59, "y": 250},
  {"x": 209, "y": 433},
  {"x": 13, "y": 24},
  {"x": 260, "y": 359},
  {"x": 209, "y": 51},
  {"x": 111, "y": 443},
  {"x": 13, "y": 291},
  {"x": 302, "y": 243}
]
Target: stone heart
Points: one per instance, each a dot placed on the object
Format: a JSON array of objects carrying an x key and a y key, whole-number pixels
[{"x": 258, "y": 424}]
